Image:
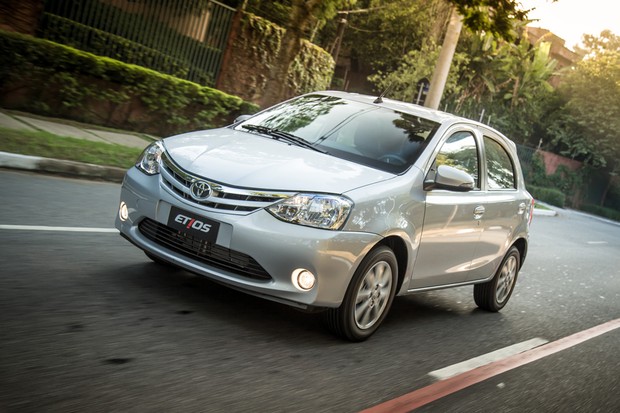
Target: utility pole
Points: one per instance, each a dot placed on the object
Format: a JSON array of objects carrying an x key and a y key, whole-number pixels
[{"x": 442, "y": 68}]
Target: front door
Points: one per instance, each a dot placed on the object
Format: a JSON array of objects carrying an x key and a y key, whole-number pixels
[{"x": 452, "y": 227}]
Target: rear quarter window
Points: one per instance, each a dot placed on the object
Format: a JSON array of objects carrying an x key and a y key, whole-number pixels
[{"x": 500, "y": 167}]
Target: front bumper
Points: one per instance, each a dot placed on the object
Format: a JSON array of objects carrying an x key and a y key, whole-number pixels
[{"x": 278, "y": 247}]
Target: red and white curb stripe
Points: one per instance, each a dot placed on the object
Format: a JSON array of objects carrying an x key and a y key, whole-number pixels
[{"x": 436, "y": 391}]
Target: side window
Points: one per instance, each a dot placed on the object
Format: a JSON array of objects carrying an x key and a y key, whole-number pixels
[
  {"x": 500, "y": 170},
  {"x": 460, "y": 151}
]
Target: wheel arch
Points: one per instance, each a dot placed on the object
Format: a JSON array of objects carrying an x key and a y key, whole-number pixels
[
  {"x": 399, "y": 248},
  {"x": 521, "y": 245}
]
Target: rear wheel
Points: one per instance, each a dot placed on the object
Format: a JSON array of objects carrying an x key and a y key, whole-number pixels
[
  {"x": 368, "y": 298},
  {"x": 493, "y": 295}
]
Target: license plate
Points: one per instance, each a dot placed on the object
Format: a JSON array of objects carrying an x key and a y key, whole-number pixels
[{"x": 195, "y": 225}]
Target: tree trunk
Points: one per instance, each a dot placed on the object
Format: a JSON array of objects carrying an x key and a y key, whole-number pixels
[
  {"x": 20, "y": 16},
  {"x": 277, "y": 85},
  {"x": 442, "y": 69}
]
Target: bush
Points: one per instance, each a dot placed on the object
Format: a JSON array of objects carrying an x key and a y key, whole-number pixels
[
  {"x": 549, "y": 195},
  {"x": 601, "y": 211},
  {"x": 51, "y": 79}
]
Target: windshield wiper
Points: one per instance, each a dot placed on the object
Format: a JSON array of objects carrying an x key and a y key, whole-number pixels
[{"x": 281, "y": 135}]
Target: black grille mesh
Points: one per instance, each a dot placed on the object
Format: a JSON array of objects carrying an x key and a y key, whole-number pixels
[{"x": 212, "y": 254}]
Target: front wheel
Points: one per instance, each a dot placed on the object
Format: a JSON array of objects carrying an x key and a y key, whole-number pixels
[
  {"x": 493, "y": 295},
  {"x": 368, "y": 298}
]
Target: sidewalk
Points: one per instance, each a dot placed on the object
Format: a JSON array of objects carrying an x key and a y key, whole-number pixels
[{"x": 26, "y": 122}]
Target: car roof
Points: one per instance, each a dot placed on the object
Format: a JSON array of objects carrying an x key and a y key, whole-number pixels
[{"x": 404, "y": 107}]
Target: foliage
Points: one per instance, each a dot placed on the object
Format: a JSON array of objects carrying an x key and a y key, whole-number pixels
[
  {"x": 262, "y": 37},
  {"x": 415, "y": 66},
  {"x": 390, "y": 29},
  {"x": 595, "y": 46},
  {"x": 280, "y": 11},
  {"x": 536, "y": 173},
  {"x": 508, "y": 81},
  {"x": 311, "y": 69},
  {"x": 57, "y": 80},
  {"x": 549, "y": 195},
  {"x": 495, "y": 17},
  {"x": 602, "y": 211},
  {"x": 302, "y": 16},
  {"x": 586, "y": 125},
  {"x": 565, "y": 180}
]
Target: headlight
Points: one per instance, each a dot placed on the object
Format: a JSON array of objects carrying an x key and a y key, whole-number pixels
[
  {"x": 313, "y": 210},
  {"x": 148, "y": 162}
]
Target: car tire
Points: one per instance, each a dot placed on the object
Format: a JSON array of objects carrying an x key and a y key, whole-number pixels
[
  {"x": 493, "y": 295},
  {"x": 368, "y": 298}
]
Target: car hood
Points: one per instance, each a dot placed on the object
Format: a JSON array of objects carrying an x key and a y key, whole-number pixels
[{"x": 254, "y": 161}]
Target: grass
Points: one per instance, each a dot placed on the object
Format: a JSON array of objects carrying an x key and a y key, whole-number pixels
[
  {"x": 51, "y": 146},
  {"x": 541, "y": 206}
]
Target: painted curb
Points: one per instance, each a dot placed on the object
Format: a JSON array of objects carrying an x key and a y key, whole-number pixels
[{"x": 61, "y": 167}]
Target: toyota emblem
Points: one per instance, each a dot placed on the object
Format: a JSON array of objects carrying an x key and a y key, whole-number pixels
[{"x": 200, "y": 190}]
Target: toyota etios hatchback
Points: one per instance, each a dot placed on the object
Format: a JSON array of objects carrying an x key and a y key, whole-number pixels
[{"x": 338, "y": 202}]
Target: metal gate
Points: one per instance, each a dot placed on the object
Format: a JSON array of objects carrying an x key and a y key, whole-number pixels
[{"x": 186, "y": 39}]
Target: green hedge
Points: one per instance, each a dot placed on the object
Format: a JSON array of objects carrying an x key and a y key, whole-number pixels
[
  {"x": 44, "y": 77},
  {"x": 549, "y": 195},
  {"x": 601, "y": 211}
]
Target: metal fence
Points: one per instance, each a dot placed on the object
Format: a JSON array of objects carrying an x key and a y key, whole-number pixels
[{"x": 186, "y": 39}]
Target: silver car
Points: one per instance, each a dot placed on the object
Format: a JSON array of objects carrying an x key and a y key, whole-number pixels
[{"x": 336, "y": 202}]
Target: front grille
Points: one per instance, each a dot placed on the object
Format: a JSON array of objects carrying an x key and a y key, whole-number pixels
[
  {"x": 240, "y": 200},
  {"x": 209, "y": 253}
]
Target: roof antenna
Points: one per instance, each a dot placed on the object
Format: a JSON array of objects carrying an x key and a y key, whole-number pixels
[{"x": 380, "y": 98}]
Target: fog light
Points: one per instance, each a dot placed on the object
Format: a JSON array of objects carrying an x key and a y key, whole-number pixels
[
  {"x": 123, "y": 214},
  {"x": 303, "y": 279}
]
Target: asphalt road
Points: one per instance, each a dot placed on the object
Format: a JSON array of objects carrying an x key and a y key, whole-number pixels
[{"x": 88, "y": 323}]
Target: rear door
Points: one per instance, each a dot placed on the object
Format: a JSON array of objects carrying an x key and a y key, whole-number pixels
[{"x": 504, "y": 208}]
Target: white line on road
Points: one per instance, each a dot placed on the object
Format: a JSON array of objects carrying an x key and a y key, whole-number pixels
[
  {"x": 60, "y": 229},
  {"x": 485, "y": 359}
]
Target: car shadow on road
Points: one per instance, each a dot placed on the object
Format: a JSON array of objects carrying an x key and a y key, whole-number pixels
[
  {"x": 228, "y": 311},
  {"x": 226, "y": 307}
]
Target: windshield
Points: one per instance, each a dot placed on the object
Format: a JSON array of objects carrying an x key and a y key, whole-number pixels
[{"x": 366, "y": 134}]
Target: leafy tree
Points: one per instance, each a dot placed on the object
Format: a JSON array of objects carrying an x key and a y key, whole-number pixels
[
  {"x": 508, "y": 81},
  {"x": 496, "y": 17},
  {"x": 588, "y": 123},
  {"x": 415, "y": 66},
  {"x": 387, "y": 30}
]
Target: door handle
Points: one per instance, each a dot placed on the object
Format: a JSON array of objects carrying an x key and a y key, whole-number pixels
[{"x": 479, "y": 212}]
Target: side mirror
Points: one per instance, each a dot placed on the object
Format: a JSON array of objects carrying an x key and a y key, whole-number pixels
[
  {"x": 450, "y": 178},
  {"x": 242, "y": 118}
]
